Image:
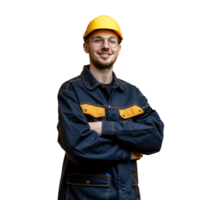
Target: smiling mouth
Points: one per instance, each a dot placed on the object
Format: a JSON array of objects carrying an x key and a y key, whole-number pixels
[{"x": 104, "y": 55}]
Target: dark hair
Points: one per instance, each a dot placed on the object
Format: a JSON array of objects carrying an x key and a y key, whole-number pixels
[{"x": 87, "y": 37}]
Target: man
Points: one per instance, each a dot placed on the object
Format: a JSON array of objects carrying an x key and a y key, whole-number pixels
[{"x": 105, "y": 124}]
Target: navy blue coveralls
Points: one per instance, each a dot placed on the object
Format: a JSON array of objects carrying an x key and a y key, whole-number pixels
[{"x": 99, "y": 167}]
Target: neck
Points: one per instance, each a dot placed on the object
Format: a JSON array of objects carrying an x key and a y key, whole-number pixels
[{"x": 102, "y": 75}]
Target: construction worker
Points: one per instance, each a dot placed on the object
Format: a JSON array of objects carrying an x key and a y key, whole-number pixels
[{"x": 105, "y": 124}]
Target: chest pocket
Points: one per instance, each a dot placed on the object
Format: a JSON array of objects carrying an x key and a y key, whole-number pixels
[
  {"x": 93, "y": 113},
  {"x": 130, "y": 112}
]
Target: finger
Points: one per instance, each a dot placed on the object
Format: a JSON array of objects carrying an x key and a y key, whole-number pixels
[{"x": 141, "y": 155}]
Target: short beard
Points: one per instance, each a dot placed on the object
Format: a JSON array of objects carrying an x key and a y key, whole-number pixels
[{"x": 102, "y": 66}]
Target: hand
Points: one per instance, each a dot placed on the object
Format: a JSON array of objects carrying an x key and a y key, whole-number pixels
[
  {"x": 135, "y": 155},
  {"x": 96, "y": 126}
]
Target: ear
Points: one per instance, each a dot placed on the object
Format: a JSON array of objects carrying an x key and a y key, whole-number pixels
[
  {"x": 120, "y": 49},
  {"x": 85, "y": 47}
]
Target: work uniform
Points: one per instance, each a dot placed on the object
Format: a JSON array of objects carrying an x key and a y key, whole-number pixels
[{"x": 99, "y": 167}]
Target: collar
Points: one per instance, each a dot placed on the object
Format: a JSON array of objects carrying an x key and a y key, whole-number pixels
[{"x": 91, "y": 82}]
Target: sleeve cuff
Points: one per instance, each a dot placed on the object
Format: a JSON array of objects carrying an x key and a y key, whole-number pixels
[
  {"x": 108, "y": 128},
  {"x": 127, "y": 154}
]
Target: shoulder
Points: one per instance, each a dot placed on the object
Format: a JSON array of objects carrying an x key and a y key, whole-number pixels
[
  {"x": 67, "y": 86},
  {"x": 131, "y": 87}
]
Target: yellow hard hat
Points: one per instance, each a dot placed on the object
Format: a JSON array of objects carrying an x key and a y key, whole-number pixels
[{"x": 103, "y": 22}]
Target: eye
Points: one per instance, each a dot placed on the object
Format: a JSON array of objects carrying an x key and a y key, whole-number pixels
[
  {"x": 113, "y": 40},
  {"x": 97, "y": 39}
]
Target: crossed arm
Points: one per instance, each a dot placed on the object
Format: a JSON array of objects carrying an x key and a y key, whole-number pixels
[{"x": 97, "y": 126}]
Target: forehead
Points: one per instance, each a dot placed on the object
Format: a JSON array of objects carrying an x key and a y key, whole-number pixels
[{"x": 104, "y": 33}]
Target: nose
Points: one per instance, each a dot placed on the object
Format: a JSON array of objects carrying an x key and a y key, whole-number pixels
[{"x": 105, "y": 44}]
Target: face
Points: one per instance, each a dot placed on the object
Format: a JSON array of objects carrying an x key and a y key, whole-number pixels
[{"x": 102, "y": 57}]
